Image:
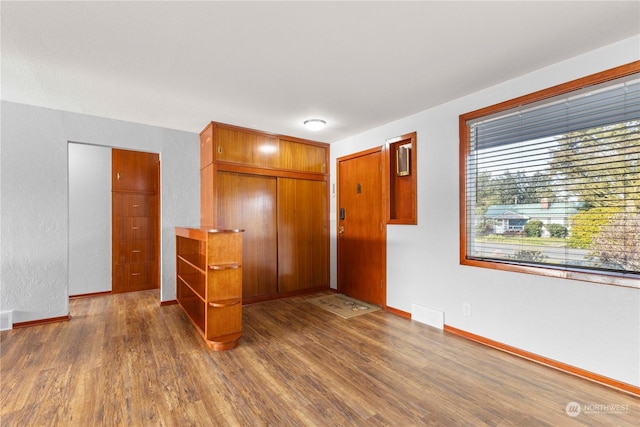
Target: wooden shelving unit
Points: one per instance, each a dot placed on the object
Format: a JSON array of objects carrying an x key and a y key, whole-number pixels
[{"x": 209, "y": 283}]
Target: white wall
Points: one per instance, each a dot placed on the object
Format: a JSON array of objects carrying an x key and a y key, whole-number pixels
[
  {"x": 34, "y": 210},
  {"x": 89, "y": 219},
  {"x": 590, "y": 326}
]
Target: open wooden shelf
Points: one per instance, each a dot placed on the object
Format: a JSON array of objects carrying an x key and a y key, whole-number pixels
[{"x": 209, "y": 283}]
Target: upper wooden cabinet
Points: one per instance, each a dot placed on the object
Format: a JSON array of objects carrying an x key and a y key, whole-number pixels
[
  {"x": 135, "y": 171},
  {"x": 302, "y": 157},
  {"x": 232, "y": 144}
]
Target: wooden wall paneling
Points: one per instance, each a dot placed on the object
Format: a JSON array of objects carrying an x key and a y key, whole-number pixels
[
  {"x": 302, "y": 235},
  {"x": 249, "y": 202}
]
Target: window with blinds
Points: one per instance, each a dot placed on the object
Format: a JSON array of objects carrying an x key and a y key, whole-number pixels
[{"x": 554, "y": 183}]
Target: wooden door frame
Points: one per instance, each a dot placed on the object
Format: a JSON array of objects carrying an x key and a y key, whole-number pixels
[{"x": 383, "y": 189}]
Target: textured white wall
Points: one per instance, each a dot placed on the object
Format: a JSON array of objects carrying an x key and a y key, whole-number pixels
[
  {"x": 34, "y": 210},
  {"x": 590, "y": 326},
  {"x": 89, "y": 219}
]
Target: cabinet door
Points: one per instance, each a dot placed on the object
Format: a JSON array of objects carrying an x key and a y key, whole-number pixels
[
  {"x": 135, "y": 171},
  {"x": 255, "y": 149},
  {"x": 249, "y": 202},
  {"x": 302, "y": 234},
  {"x": 302, "y": 157}
]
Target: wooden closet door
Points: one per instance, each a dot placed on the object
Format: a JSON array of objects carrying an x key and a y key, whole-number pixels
[
  {"x": 135, "y": 221},
  {"x": 249, "y": 202},
  {"x": 302, "y": 234}
]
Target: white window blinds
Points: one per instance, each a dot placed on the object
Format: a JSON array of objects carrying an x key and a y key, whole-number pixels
[{"x": 557, "y": 183}]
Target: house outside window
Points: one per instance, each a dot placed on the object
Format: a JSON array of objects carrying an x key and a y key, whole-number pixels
[
  {"x": 550, "y": 182},
  {"x": 514, "y": 217}
]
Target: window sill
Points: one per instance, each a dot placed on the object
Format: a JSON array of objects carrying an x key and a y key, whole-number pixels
[{"x": 612, "y": 279}]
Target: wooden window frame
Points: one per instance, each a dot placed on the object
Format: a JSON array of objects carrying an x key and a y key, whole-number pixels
[{"x": 615, "y": 279}]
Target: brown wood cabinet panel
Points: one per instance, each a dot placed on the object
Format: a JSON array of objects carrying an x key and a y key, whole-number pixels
[
  {"x": 206, "y": 146},
  {"x": 134, "y": 205},
  {"x": 255, "y": 149},
  {"x": 207, "y": 197},
  {"x": 135, "y": 171},
  {"x": 224, "y": 321},
  {"x": 238, "y": 146},
  {"x": 249, "y": 202},
  {"x": 135, "y": 277},
  {"x": 265, "y": 153},
  {"x": 302, "y": 234},
  {"x": 302, "y": 157},
  {"x": 134, "y": 251},
  {"x": 133, "y": 227}
]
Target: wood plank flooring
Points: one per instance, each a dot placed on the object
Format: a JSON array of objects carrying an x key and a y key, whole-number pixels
[{"x": 124, "y": 360}]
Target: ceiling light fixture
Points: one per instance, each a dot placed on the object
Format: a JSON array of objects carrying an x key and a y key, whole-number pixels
[{"x": 315, "y": 124}]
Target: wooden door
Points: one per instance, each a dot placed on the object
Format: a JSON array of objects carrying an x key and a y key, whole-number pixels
[
  {"x": 302, "y": 235},
  {"x": 249, "y": 202},
  {"x": 361, "y": 228},
  {"x": 135, "y": 183}
]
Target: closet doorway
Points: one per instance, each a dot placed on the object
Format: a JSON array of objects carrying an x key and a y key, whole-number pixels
[{"x": 114, "y": 232}]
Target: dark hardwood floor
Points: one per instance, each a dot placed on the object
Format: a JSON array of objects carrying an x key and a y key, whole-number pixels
[{"x": 124, "y": 360}]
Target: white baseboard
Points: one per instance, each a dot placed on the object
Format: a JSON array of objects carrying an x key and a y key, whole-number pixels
[{"x": 427, "y": 315}]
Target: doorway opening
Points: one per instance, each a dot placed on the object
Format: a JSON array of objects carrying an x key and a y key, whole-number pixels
[{"x": 96, "y": 243}]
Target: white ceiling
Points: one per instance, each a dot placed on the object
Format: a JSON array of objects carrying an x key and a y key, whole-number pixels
[{"x": 270, "y": 65}]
